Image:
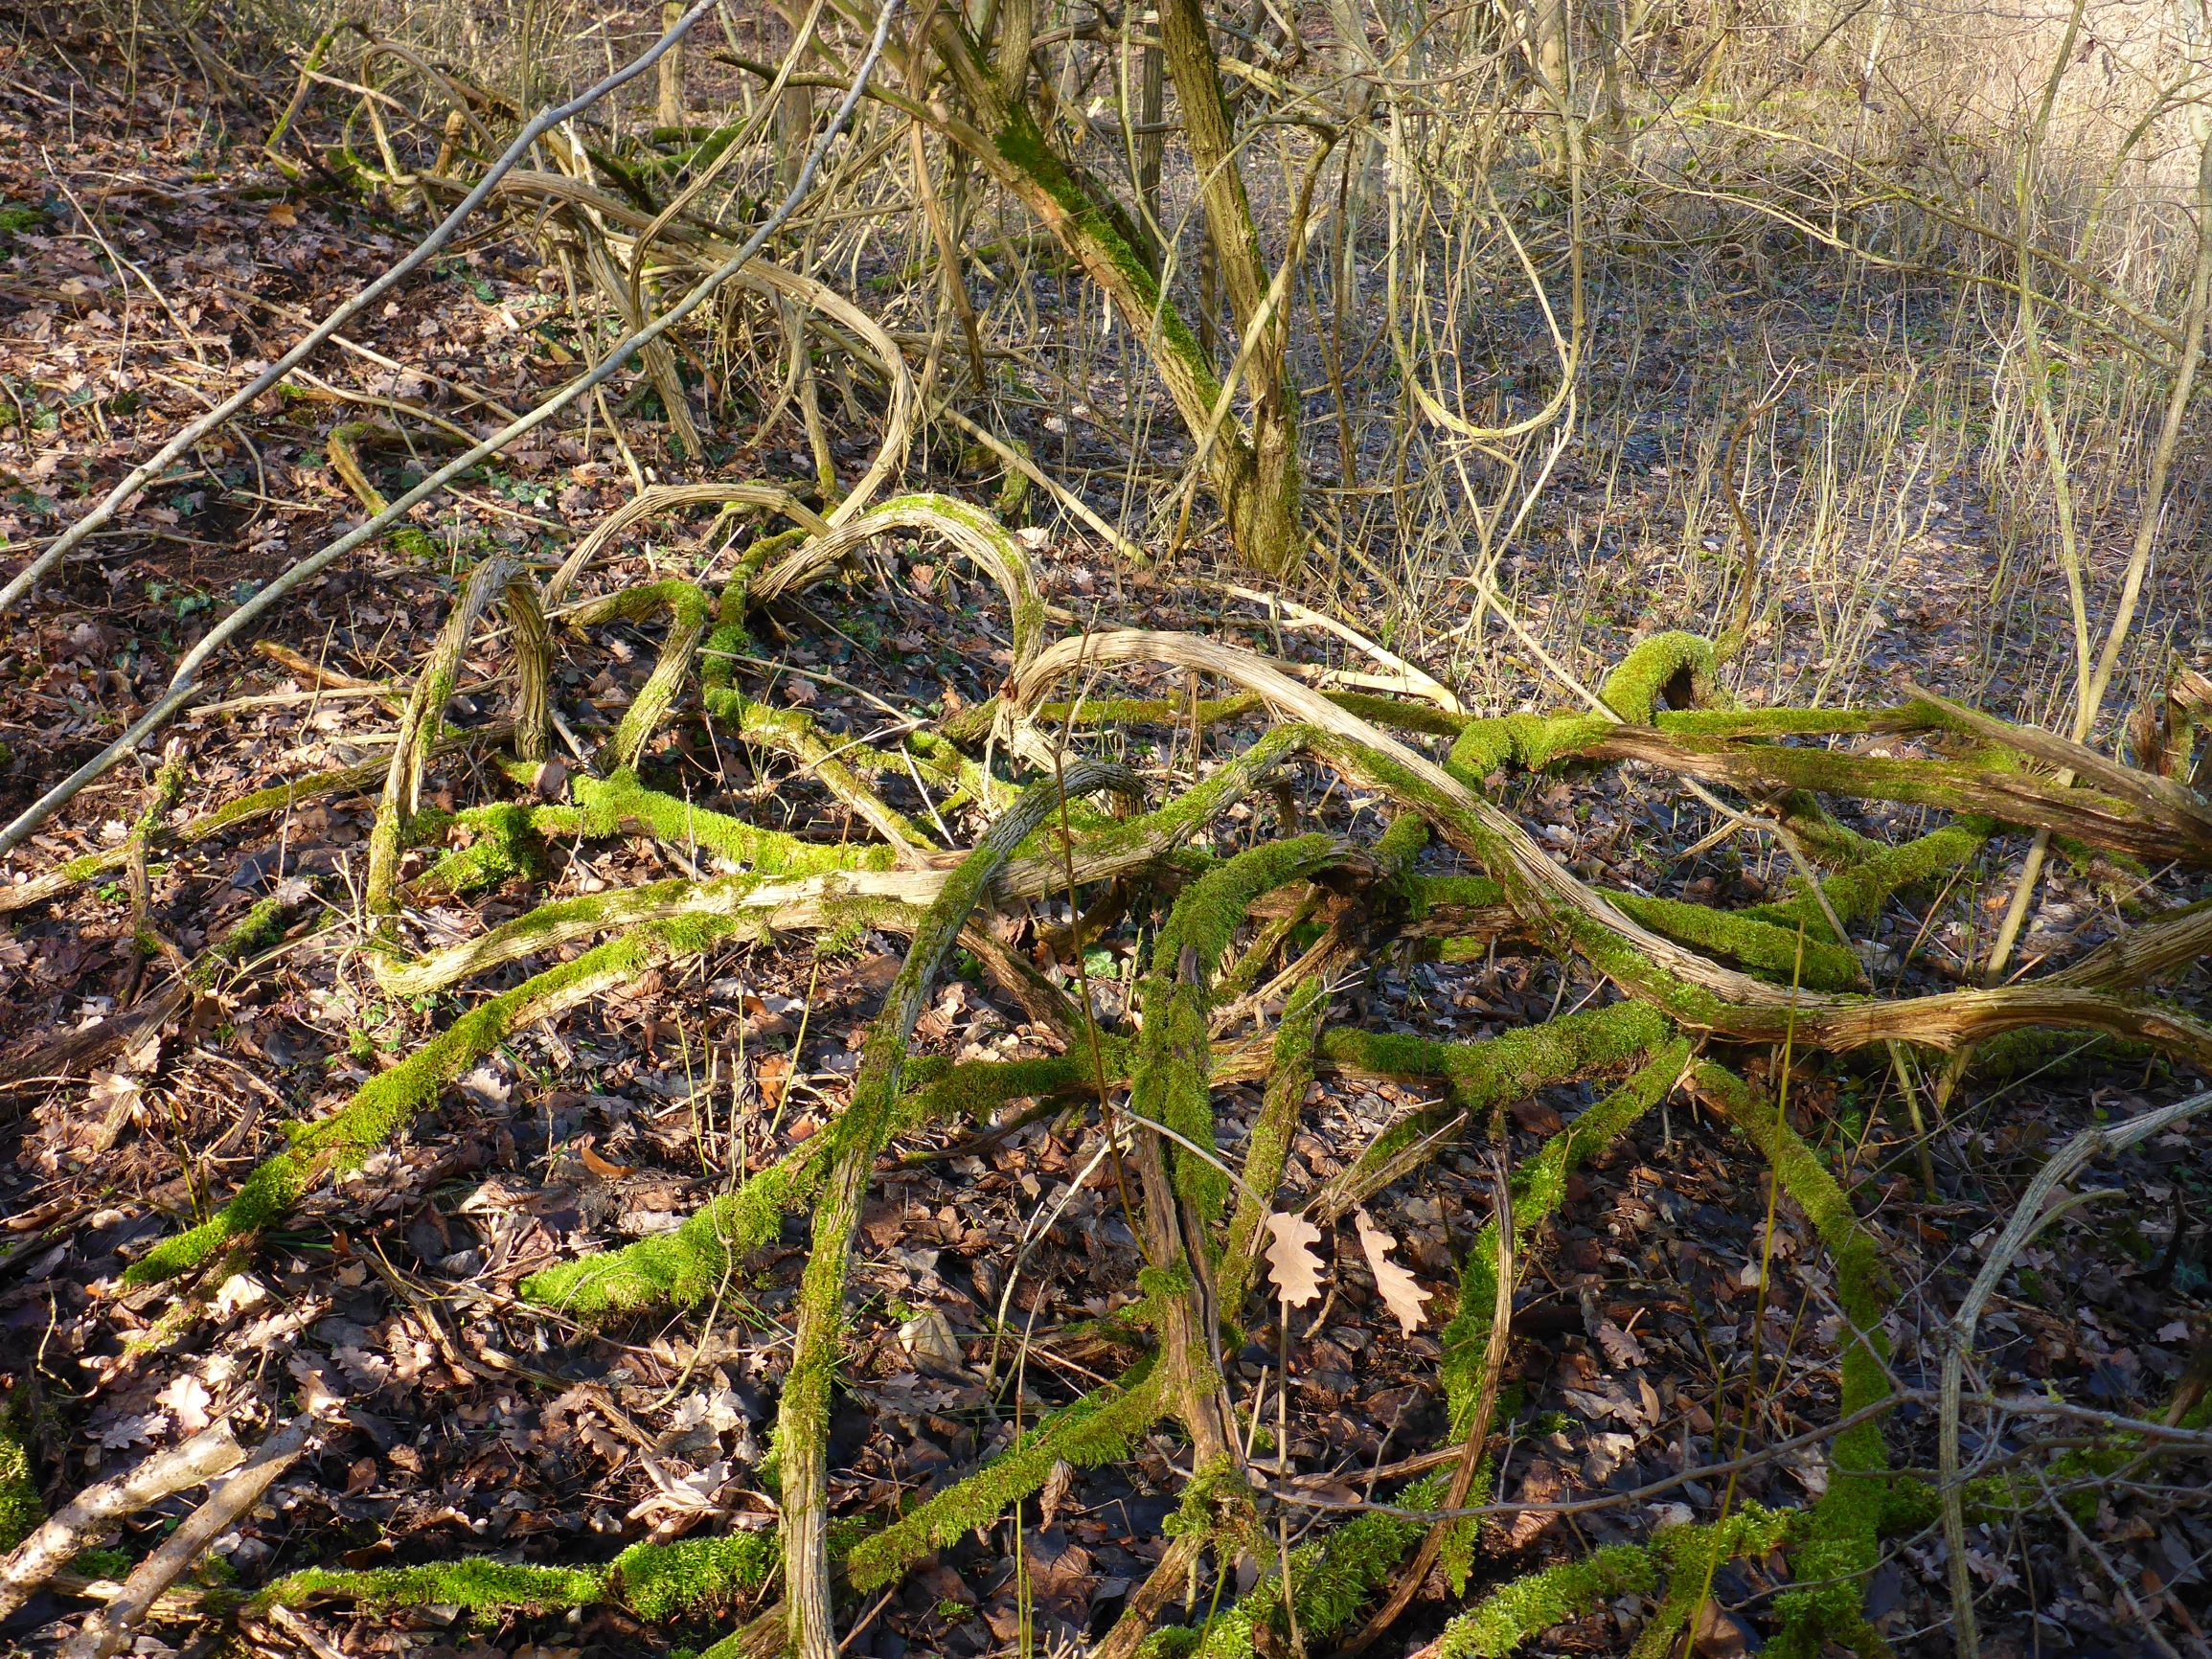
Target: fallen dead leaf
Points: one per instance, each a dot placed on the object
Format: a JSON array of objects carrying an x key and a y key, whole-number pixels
[
  {"x": 1400, "y": 1290},
  {"x": 1622, "y": 1349},
  {"x": 1293, "y": 1267},
  {"x": 928, "y": 1337},
  {"x": 604, "y": 1168},
  {"x": 1059, "y": 1487}
]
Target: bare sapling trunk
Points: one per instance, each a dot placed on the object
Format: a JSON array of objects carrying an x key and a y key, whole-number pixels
[
  {"x": 1264, "y": 522},
  {"x": 669, "y": 100},
  {"x": 1254, "y": 474}
]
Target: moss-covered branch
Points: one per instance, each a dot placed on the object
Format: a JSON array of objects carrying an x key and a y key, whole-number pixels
[
  {"x": 1858, "y": 893},
  {"x": 385, "y": 1103},
  {"x": 1677, "y": 1557},
  {"x": 248, "y": 808},
  {"x": 748, "y": 906},
  {"x": 1097, "y": 1429},
  {"x": 1763, "y": 947},
  {"x": 656, "y": 1582},
  {"x": 1290, "y": 1072},
  {"x": 621, "y": 802},
  {"x": 342, "y": 449},
  {"x": 1494, "y": 1073},
  {"x": 973, "y": 723},
  {"x": 1538, "y": 1188},
  {"x": 684, "y": 1267},
  {"x": 1990, "y": 785},
  {"x": 967, "y": 530},
  {"x": 854, "y": 1139},
  {"x": 419, "y": 724},
  {"x": 1171, "y": 1085},
  {"x": 836, "y": 766},
  {"x": 1469, "y": 911},
  {"x": 688, "y": 611},
  {"x": 1837, "y": 1546}
]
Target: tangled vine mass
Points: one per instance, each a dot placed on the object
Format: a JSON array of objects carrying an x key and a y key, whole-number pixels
[{"x": 1257, "y": 934}]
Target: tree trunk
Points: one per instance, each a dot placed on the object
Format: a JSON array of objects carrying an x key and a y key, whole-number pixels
[
  {"x": 1265, "y": 523},
  {"x": 1255, "y": 477},
  {"x": 669, "y": 103}
]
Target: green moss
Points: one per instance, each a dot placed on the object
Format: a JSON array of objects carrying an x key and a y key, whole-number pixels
[
  {"x": 20, "y": 1509},
  {"x": 1969, "y": 784},
  {"x": 1682, "y": 1559},
  {"x": 658, "y": 1581},
  {"x": 1674, "y": 667},
  {"x": 111, "y": 1564},
  {"x": 1161, "y": 1284},
  {"x": 1022, "y": 146},
  {"x": 1782, "y": 722},
  {"x": 840, "y": 768},
  {"x": 1099, "y": 1428},
  {"x": 1109, "y": 847},
  {"x": 621, "y": 802},
  {"x": 1529, "y": 1605},
  {"x": 1485, "y": 1075},
  {"x": 1529, "y": 742},
  {"x": 1837, "y": 1542},
  {"x": 974, "y": 1089},
  {"x": 1215, "y": 1505},
  {"x": 685, "y": 604},
  {"x": 684, "y": 1267},
  {"x": 855, "y": 1139},
  {"x": 1671, "y": 664},
  {"x": 1538, "y": 1189},
  {"x": 688, "y": 609},
  {"x": 1332, "y": 1580},
  {"x": 940, "y": 762},
  {"x": 341, "y": 450},
  {"x": 1401, "y": 716},
  {"x": 565, "y": 920},
  {"x": 1754, "y": 942},
  {"x": 477, "y": 1585},
  {"x": 972, "y": 724},
  {"x": 1858, "y": 895},
  {"x": 1291, "y": 1070},
  {"x": 260, "y": 929},
  {"x": 507, "y": 840},
  {"x": 246, "y": 810},
  {"x": 1400, "y": 844},
  {"x": 1426, "y": 895},
  {"x": 1692, "y": 1555}
]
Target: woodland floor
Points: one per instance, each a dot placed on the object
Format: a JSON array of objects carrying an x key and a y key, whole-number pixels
[{"x": 387, "y": 1291}]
